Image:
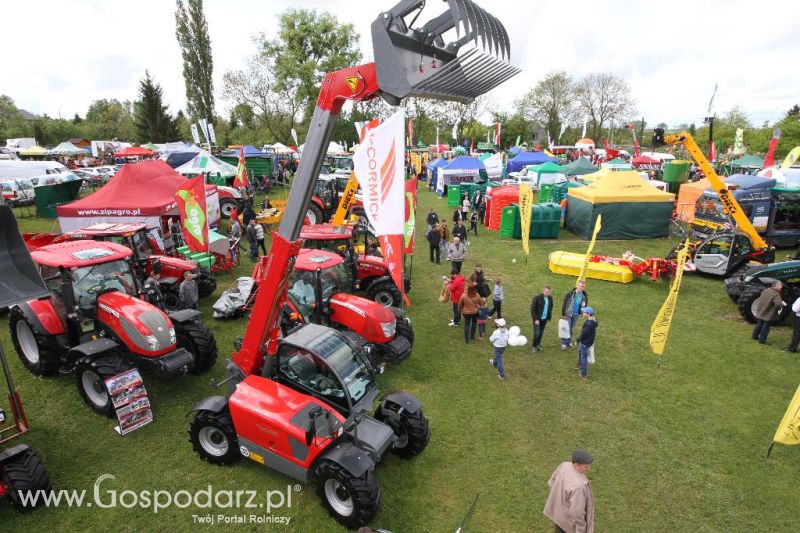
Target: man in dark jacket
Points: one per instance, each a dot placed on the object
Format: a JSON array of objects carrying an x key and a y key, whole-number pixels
[
  {"x": 574, "y": 300},
  {"x": 766, "y": 309},
  {"x": 252, "y": 238},
  {"x": 434, "y": 238},
  {"x": 541, "y": 311},
  {"x": 586, "y": 340},
  {"x": 433, "y": 218},
  {"x": 460, "y": 231},
  {"x": 458, "y": 215}
]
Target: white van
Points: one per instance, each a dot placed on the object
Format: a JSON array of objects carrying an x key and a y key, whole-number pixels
[{"x": 30, "y": 169}]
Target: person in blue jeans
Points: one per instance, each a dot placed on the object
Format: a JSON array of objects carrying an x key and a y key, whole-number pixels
[
  {"x": 586, "y": 340},
  {"x": 499, "y": 340},
  {"x": 574, "y": 300}
]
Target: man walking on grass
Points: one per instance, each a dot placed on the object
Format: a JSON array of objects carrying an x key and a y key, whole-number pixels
[
  {"x": 541, "y": 311},
  {"x": 570, "y": 504}
]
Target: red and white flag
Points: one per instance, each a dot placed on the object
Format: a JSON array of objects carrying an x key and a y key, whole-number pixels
[
  {"x": 379, "y": 167},
  {"x": 497, "y": 134},
  {"x": 240, "y": 180}
]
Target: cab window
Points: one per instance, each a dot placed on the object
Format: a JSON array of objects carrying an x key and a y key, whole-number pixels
[
  {"x": 51, "y": 277},
  {"x": 718, "y": 246},
  {"x": 310, "y": 374}
]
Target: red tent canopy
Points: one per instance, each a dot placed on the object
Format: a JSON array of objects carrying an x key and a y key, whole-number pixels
[
  {"x": 646, "y": 163},
  {"x": 439, "y": 148},
  {"x": 147, "y": 188},
  {"x": 134, "y": 151}
]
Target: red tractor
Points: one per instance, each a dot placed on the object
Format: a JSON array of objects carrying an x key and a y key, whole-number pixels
[
  {"x": 318, "y": 293},
  {"x": 361, "y": 253},
  {"x": 21, "y": 470},
  {"x": 299, "y": 404},
  {"x": 93, "y": 324},
  {"x": 146, "y": 253},
  {"x": 327, "y": 194}
]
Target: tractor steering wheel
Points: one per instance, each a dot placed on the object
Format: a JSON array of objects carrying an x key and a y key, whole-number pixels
[{"x": 95, "y": 289}]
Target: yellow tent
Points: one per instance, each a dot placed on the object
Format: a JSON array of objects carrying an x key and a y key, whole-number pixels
[
  {"x": 631, "y": 207},
  {"x": 33, "y": 151}
]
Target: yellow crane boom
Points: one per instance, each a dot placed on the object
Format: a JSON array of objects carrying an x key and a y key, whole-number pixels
[{"x": 729, "y": 203}]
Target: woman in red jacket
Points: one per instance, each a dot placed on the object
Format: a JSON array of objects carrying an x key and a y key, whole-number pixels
[{"x": 456, "y": 287}]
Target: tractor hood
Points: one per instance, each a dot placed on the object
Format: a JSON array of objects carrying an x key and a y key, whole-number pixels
[
  {"x": 375, "y": 323},
  {"x": 373, "y": 262},
  {"x": 177, "y": 263},
  {"x": 145, "y": 329}
]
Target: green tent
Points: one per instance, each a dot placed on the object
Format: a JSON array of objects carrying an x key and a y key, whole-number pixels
[
  {"x": 751, "y": 162},
  {"x": 631, "y": 208},
  {"x": 545, "y": 168},
  {"x": 579, "y": 167}
]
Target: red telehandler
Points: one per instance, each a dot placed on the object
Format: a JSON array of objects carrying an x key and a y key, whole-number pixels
[{"x": 299, "y": 404}]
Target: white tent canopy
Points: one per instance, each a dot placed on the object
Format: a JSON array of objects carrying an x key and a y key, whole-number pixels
[
  {"x": 205, "y": 163},
  {"x": 333, "y": 149},
  {"x": 179, "y": 147},
  {"x": 281, "y": 148},
  {"x": 66, "y": 148}
]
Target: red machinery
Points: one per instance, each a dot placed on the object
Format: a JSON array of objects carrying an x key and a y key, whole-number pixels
[
  {"x": 299, "y": 404},
  {"x": 21, "y": 469},
  {"x": 93, "y": 325},
  {"x": 654, "y": 267},
  {"x": 146, "y": 252}
]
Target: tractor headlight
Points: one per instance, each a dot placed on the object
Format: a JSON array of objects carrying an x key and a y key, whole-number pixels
[
  {"x": 152, "y": 343},
  {"x": 172, "y": 337},
  {"x": 388, "y": 328},
  {"x": 2, "y": 416}
]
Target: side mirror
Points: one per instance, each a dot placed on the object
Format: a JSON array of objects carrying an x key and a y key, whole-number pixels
[{"x": 311, "y": 429}]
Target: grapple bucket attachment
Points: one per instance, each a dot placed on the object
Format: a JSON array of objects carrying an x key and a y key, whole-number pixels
[
  {"x": 19, "y": 278},
  {"x": 458, "y": 55}
]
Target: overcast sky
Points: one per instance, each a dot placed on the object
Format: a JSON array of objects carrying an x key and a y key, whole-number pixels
[{"x": 59, "y": 55}]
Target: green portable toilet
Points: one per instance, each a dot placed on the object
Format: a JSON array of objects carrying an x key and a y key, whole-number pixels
[
  {"x": 453, "y": 196},
  {"x": 509, "y": 218},
  {"x": 675, "y": 173},
  {"x": 545, "y": 221}
]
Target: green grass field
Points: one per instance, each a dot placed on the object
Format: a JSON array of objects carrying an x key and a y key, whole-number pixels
[{"x": 678, "y": 446}]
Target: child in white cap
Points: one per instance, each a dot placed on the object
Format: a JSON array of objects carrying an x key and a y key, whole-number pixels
[{"x": 499, "y": 340}]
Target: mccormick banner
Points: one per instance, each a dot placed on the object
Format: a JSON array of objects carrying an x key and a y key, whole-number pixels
[
  {"x": 241, "y": 171},
  {"x": 411, "y": 210},
  {"x": 191, "y": 198},
  {"x": 379, "y": 167},
  {"x": 789, "y": 429},
  {"x": 525, "y": 204},
  {"x": 660, "y": 328},
  {"x": 597, "y": 225}
]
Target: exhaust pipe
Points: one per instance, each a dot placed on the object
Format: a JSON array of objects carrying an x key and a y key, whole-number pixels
[{"x": 416, "y": 61}]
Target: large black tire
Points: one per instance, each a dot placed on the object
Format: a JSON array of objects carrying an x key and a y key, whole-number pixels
[
  {"x": 352, "y": 501},
  {"x": 206, "y": 284},
  {"x": 25, "y": 473},
  {"x": 90, "y": 372},
  {"x": 213, "y": 437},
  {"x": 226, "y": 206},
  {"x": 404, "y": 329},
  {"x": 734, "y": 284},
  {"x": 39, "y": 353},
  {"x": 171, "y": 296},
  {"x": 749, "y": 295},
  {"x": 198, "y": 339},
  {"x": 315, "y": 214},
  {"x": 385, "y": 293},
  {"x": 413, "y": 431}
]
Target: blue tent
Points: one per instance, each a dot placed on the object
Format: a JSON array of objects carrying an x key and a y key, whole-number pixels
[
  {"x": 529, "y": 158},
  {"x": 514, "y": 151},
  {"x": 465, "y": 162},
  {"x": 251, "y": 151},
  {"x": 748, "y": 182},
  {"x": 432, "y": 166}
]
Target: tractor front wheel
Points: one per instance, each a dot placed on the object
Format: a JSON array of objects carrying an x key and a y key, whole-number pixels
[
  {"x": 404, "y": 329},
  {"x": 38, "y": 353},
  {"x": 413, "y": 431},
  {"x": 25, "y": 473},
  {"x": 171, "y": 296},
  {"x": 198, "y": 340},
  {"x": 385, "y": 293},
  {"x": 315, "y": 214},
  {"x": 213, "y": 437},
  {"x": 352, "y": 501},
  {"x": 91, "y": 374},
  {"x": 206, "y": 284},
  {"x": 226, "y": 207},
  {"x": 746, "y": 298}
]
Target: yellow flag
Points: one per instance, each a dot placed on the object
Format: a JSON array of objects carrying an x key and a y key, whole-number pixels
[
  {"x": 791, "y": 157},
  {"x": 585, "y": 267},
  {"x": 660, "y": 328},
  {"x": 789, "y": 429},
  {"x": 346, "y": 200},
  {"x": 525, "y": 206}
]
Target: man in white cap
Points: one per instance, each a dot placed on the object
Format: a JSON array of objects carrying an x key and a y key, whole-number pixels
[{"x": 570, "y": 504}]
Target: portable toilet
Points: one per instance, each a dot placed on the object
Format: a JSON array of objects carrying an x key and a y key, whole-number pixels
[
  {"x": 509, "y": 220},
  {"x": 500, "y": 197}
]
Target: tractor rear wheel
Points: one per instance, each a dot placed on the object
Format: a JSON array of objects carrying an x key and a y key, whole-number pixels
[
  {"x": 413, "y": 431},
  {"x": 213, "y": 437},
  {"x": 226, "y": 207},
  {"x": 749, "y": 295},
  {"x": 404, "y": 329},
  {"x": 206, "y": 284},
  {"x": 91, "y": 373},
  {"x": 385, "y": 293},
  {"x": 171, "y": 296},
  {"x": 39, "y": 353},
  {"x": 26, "y": 473},
  {"x": 315, "y": 214},
  {"x": 352, "y": 501},
  {"x": 199, "y": 340}
]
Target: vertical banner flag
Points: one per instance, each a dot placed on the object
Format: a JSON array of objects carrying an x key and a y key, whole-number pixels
[
  {"x": 497, "y": 134},
  {"x": 204, "y": 128},
  {"x": 195, "y": 134},
  {"x": 379, "y": 165},
  {"x": 769, "y": 159},
  {"x": 411, "y": 210},
  {"x": 597, "y": 225},
  {"x": 659, "y": 330},
  {"x": 791, "y": 157},
  {"x": 240, "y": 180},
  {"x": 516, "y": 143},
  {"x": 191, "y": 198},
  {"x": 712, "y": 151},
  {"x": 788, "y": 431},
  {"x": 410, "y": 132},
  {"x": 454, "y": 133},
  {"x": 437, "y": 138},
  {"x": 346, "y": 201},
  {"x": 583, "y": 133},
  {"x": 525, "y": 207},
  {"x": 294, "y": 137},
  {"x": 212, "y": 135},
  {"x": 738, "y": 142}
]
